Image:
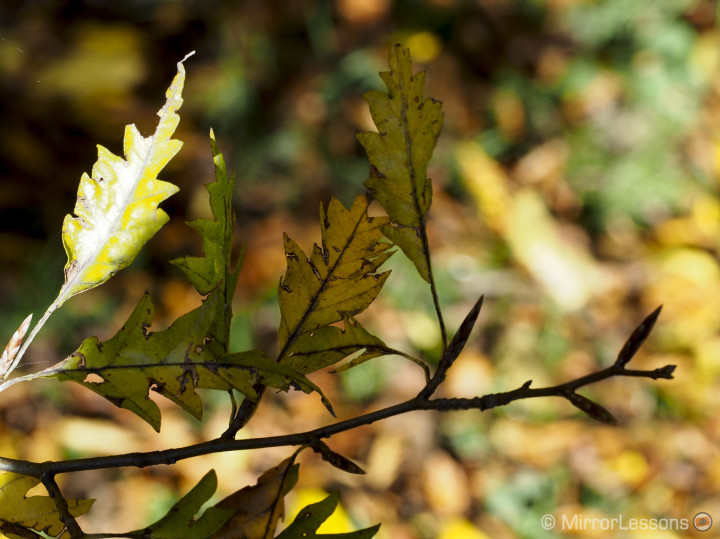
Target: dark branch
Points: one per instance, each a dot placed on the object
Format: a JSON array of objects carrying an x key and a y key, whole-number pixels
[{"x": 171, "y": 456}]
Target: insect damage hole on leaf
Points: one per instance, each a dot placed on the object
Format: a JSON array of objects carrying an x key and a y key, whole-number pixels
[{"x": 93, "y": 378}]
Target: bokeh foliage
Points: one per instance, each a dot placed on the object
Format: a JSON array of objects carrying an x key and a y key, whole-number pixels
[{"x": 576, "y": 185}]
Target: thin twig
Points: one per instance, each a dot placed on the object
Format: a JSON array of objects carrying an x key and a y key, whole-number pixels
[
  {"x": 243, "y": 413},
  {"x": 73, "y": 528},
  {"x": 436, "y": 300}
]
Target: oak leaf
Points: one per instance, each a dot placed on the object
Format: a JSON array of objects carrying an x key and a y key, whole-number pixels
[
  {"x": 179, "y": 520},
  {"x": 408, "y": 128},
  {"x": 175, "y": 362},
  {"x": 258, "y": 508},
  {"x": 19, "y": 512},
  {"x": 337, "y": 281},
  {"x": 116, "y": 211},
  {"x": 310, "y": 518}
]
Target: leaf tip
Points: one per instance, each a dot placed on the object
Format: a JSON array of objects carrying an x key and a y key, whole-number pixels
[
  {"x": 329, "y": 407},
  {"x": 188, "y": 55}
]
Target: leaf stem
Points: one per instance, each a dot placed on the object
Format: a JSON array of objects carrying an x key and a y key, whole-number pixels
[
  {"x": 417, "y": 361},
  {"x": 436, "y": 299}
]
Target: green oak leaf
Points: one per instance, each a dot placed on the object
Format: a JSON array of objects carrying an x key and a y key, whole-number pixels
[
  {"x": 175, "y": 362},
  {"x": 408, "y": 128},
  {"x": 310, "y": 518},
  {"x": 207, "y": 272},
  {"x": 180, "y": 519}
]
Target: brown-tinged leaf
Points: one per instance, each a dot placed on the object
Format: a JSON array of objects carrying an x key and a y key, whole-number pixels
[
  {"x": 37, "y": 513},
  {"x": 258, "y": 508},
  {"x": 339, "y": 279},
  {"x": 328, "y": 345}
]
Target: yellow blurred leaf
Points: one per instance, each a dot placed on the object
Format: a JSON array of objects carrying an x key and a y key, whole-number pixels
[
  {"x": 460, "y": 528},
  {"x": 386, "y": 456},
  {"x": 566, "y": 269},
  {"x": 700, "y": 228},
  {"x": 687, "y": 282},
  {"x": 337, "y": 522},
  {"x": 707, "y": 358},
  {"x": 487, "y": 182},
  {"x": 445, "y": 484},
  {"x": 94, "y": 436},
  {"x": 105, "y": 60},
  {"x": 631, "y": 467},
  {"x": 509, "y": 114},
  {"x": 421, "y": 330},
  {"x": 705, "y": 55},
  {"x": 424, "y": 46}
]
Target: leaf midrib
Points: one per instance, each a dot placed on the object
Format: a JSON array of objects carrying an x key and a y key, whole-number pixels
[
  {"x": 323, "y": 283},
  {"x": 117, "y": 225},
  {"x": 409, "y": 155}
]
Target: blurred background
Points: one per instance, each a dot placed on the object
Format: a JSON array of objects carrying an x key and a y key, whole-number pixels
[{"x": 577, "y": 186}]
